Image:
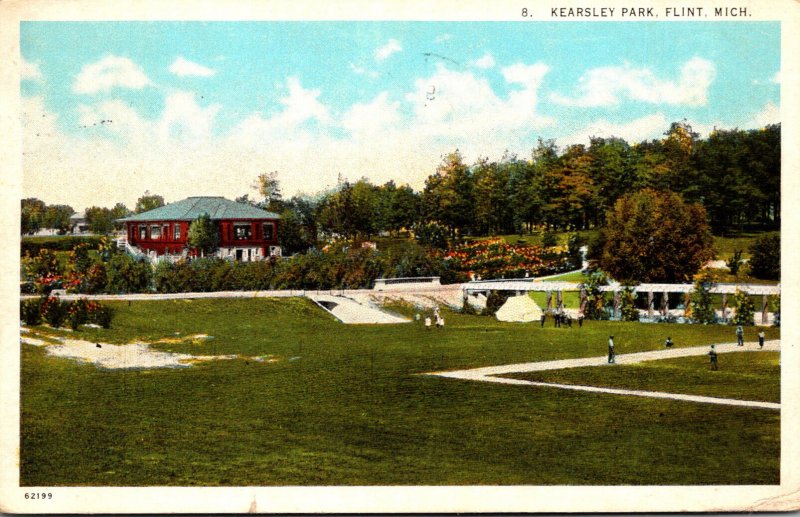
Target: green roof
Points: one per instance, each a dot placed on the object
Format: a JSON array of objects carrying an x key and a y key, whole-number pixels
[{"x": 191, "y": 208}]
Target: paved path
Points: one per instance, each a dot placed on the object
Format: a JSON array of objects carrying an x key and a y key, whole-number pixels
[
  {"x": 490, "y": 373},
  {"x": 350, "y": 311}
]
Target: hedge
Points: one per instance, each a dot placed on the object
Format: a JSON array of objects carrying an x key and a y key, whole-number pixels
[{"x": 32, "y": 245}]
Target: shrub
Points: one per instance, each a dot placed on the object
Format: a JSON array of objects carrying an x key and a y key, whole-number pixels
[
  {"x": 431, "y": 234},
  {"x": 775, "y": 307},
  {"x": 54, "y": 311},
  {"x": 628, "y": 310},
  {"x": 549, "y": 239},
  {"x": 82, "y": 311},
  {"x": 595, "y": 298},
  {"x": 33, "y": 245},
  {"x": 30, "y": 311},
  {"x": 765, "y": 257},
  {"x": 745, "y": 308},
  {"x": 702, "y": 309},
  {"x": 574, "y": 244},
  {"x": 127, "y": 275},
  {"x": 735, "y": 263}
]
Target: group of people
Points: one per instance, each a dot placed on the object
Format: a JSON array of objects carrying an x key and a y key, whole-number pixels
[
  {"x": 437, "y": 319},
  {"x": 560, "y": 317},
  {"x": 712, "y": 354}
]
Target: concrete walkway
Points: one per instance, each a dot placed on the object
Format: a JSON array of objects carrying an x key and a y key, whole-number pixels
[
  {"x": 352, "y": 312},
  {"x": 489, "y": 374}
]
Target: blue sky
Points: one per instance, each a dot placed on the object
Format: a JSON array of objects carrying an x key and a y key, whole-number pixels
[{"x": 202, "y": 108}]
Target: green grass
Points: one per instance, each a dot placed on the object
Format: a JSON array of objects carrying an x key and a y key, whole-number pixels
[
  {"x": 742, "y": 375},
  {"x": 344, "y": 406},
  {"x": 535, "y": 239},
  {"x": 725, "y": 246}
]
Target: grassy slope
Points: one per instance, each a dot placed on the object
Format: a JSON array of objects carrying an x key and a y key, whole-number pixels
[{"x": 352, "y": 411}]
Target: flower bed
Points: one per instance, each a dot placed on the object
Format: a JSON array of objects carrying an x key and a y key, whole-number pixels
[{"x": 494, "y": 258}]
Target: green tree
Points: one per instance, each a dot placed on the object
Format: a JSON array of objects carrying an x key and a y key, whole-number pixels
[
  {"x": 628, "y": 310},
  {"x": 32, "y": 215},
  {"x": 269, "y": 189},
  {"x": 745, "y": 308},
  {"x": 100, "y": 220},
  {"x": 118, "y": 212},
  {"x": 148, "y": 202},
  {"x": 702, "y": 303},
  {"x": 203, "y": 235},
  {"x": 765, "y": 257},
  {"x": 595, "y": 308},
  {"x": 654, "y": 236},
  {"x": 57, "y": 217},
  {"x": 448, "y": 197}
]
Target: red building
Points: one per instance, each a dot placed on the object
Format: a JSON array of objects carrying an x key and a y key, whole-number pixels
[{"x": 246, "y": 233}]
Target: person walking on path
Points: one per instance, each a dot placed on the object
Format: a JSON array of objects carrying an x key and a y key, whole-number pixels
[
  {"x": 760, "y": 339},
  {"x": 668, "y": 343},
  {"x": 740, "y": 335},
  {"x": 712, "y": 354},
  {"x": 611, "y": 354}
]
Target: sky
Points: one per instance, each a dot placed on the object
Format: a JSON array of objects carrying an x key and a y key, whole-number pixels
[{"x": 111, "y": 110}]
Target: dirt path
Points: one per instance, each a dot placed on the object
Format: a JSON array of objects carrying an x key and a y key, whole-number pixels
[{"x": 489, "y": 374}]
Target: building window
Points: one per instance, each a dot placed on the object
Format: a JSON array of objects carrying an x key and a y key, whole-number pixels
[
  {"x": 143, "y": 232},
  {"x": 176, "y": 231},
  {"x": 155, "y": 231},
  {"x": 242, "y": 232},
  {"x": 269, "y": 231}
]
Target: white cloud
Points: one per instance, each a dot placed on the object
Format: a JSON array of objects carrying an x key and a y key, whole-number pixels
[
  {"x": 388, "y": 49},
  {"x": 30, "y": 71},
  {"x": 360, "y": 70},
  {"x": 606, "y": 86},
  {"x": 183, "y": 67},
  {"x": 776, "y": 78},
  {"x": 108, "y": 73},
  {"x": 441, "y": 38},
  {"x": 372, "y": 117},
  {"x": 650, "y": 126},
  {"x": 183, "y": 119},
  {"x": 769, "y": 114},
  {"x": 487, "y": 61}
]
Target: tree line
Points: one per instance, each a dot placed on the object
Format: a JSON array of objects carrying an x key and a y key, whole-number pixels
[{"x": 733, "y": 174}]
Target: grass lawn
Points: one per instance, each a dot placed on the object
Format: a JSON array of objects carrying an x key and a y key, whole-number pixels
[
  {"x": 742, "y": 375},
  {"x": 725, "y": 246},
  {"x": 343, "y": 406}
]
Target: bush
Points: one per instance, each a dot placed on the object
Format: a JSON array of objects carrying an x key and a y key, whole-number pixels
[
  {"x": 549, "y": 239},
  {"x": 596, "y": 301},
  {"x": 431, "y": 235},
  {"x": 127, "y": 275},
  {"x": 82, "y": 311},
  {"x": 765, "y": 257},
  {"x": 628, "y": 310},
  {"x": 32, "y": 245},
  {"x": 745, "y": 308},
  {"x": 30, "y": 311},
  {"x": 54, "y": 311},
  {"x": 702, "y": 306},
  {"x": 735, "y": 263}
]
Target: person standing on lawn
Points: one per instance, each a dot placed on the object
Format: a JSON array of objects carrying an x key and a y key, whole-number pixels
[
  {"x": 739, "y": 335},
  {"x": 542, "y": 318},
  {"x": 712, "y": 355},
  {"x": 760, "y": 339},
  {"x": 668, "y": 343},
  {"x": 611, "y": 354}
]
